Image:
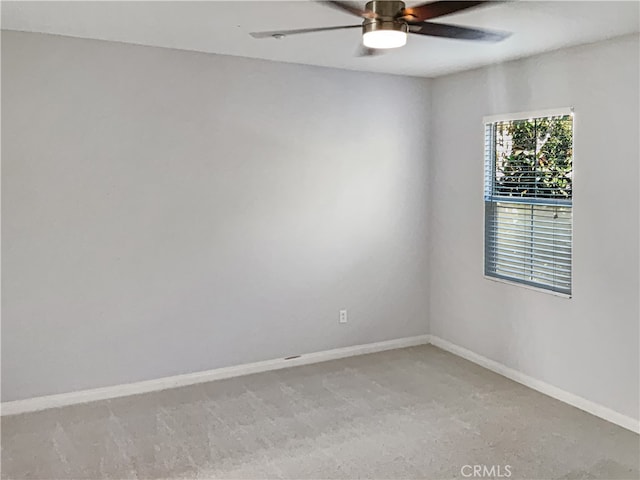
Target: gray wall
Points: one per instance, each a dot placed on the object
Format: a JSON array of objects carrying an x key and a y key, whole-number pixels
[
  {"x": 168, "y": 212},
  {"x": 587, "y": 345}
]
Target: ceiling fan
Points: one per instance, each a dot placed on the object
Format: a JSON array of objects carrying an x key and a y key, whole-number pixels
[{"x": 386, "y": 23}]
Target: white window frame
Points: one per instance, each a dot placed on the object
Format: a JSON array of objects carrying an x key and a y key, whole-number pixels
[{"x": 552, "y": 112}]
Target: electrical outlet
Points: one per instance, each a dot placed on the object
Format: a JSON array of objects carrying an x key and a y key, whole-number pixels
[{"x": 343, "y": 316}]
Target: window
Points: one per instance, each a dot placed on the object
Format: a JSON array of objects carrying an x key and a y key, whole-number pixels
[{"x": 528, "y": 199}]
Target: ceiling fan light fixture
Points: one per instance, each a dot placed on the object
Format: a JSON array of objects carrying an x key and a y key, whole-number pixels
[
  {"x": 384, "y": 39},
  {"x": 384, "y": 30},
  {"x": 386, "y": 23}
]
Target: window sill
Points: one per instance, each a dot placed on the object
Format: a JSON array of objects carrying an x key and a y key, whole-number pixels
[{"x": 528, "y": 287}]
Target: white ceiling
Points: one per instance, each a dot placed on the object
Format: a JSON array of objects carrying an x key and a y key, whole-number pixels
[{"x": 223, "y": 27}]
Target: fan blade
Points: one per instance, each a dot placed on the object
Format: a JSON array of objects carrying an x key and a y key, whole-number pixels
[
  {"x": 284, "y": 33},
  {"x": 368, "y": 52},
  {"x": 350, "y": 8},
  {"x": 454, "y": 31},
  {"x": 427, "y": 11}
]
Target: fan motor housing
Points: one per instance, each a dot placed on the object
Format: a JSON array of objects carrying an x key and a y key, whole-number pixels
[{"x": 386, "y": 12}]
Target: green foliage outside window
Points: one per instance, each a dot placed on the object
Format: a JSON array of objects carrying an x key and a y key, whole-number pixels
[{"x": 534, "y": 158}]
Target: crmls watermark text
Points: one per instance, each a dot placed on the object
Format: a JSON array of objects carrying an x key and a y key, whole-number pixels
[{"x": 486, "y": 471}]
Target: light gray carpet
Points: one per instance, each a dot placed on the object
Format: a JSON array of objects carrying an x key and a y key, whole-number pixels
[{"x": 411, "y": 413}]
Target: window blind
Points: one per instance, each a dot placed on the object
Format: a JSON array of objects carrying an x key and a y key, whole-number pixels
[{"x": 528, "y": 201}]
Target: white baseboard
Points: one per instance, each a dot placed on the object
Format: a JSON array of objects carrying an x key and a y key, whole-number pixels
[
  {"x": 574, "y": 400},
  {"x": 84, "y": 396},
  {"x": 104, "y": 393}
]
